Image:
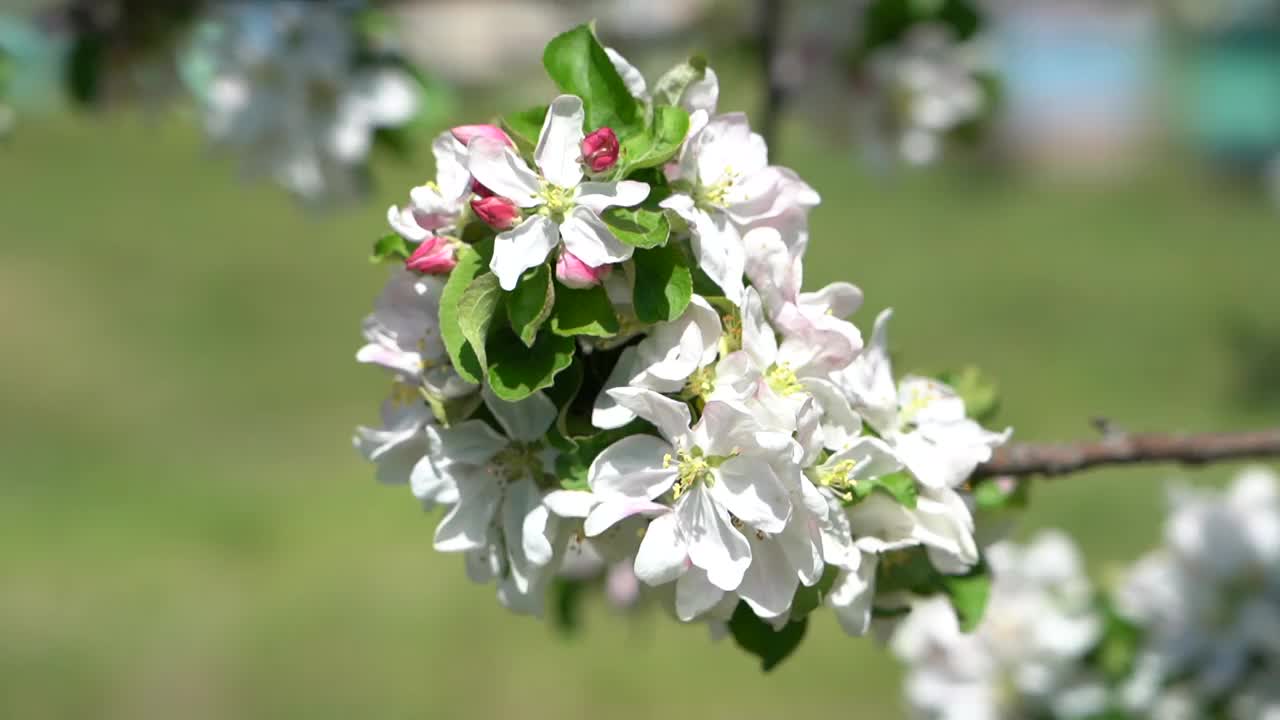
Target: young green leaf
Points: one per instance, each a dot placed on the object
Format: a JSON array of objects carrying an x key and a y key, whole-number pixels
[
  {"x": 664, "y": 284},
  {"x": 583, "y": 312},
  {"x": 760, "y": 639},
  {"x": 809, "y": 599},
  {"x": 638, "y": 227},
  {"x": 969, "y": 594},
  {"x": 657, "y": 146},
  {"x": 578, "y": 65},
  {"x": 476, "y": 308},
  {"x": 519, "y": 371},
  {"x": 980, "y": 393},
  {"x": 529, "y": 305},
  {"x": 390, "y": 247},
  {"x": 901, "y": 486},
  {"x": 671, "y": 86},
  {"x": 525, "y": 126},
  {"x": 472, "y": 261}
]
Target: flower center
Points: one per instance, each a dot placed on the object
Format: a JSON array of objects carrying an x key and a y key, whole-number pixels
[
  {"x": 700, "y": 384},
  {"x": 403, "y": 394},
  {"x": 518, "y": 461},
  {"x": 782, "y": 380},
  {"x": 691, "y": 467},
  {"x": 716, "y": 195},
  {"x": 556, "y": 200},
  {"x": 920, "y": 398},
  {"x": 839, "y": 478}
]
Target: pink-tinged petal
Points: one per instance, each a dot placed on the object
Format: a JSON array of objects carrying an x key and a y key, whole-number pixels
[
  {"x": 587, "y": 237},
  {"x": 435, "y": 256},
  {"x": 466, "y": 133},
  {"x": 375, "y": 354},
  {"x": 405, "y": 224},
  {"x": 600, "y": 196},
  {"x": 723, "y": 146},
  {"x": 503, "y": 172},
  {"x": 611, "y": 512},
  {"x": 497, "y": 212},
  {"x": 572, "y": 272},
  {"x": 524, "y": 246},
  {"x": 600, "y": 150},
  {"x": 770, "y": 193},
  {"x": 632, "y": 469},
  {"x": 560, "y": 143},
  {"x": 840, "y": 299},
  {"x": 663, "y": 555}
]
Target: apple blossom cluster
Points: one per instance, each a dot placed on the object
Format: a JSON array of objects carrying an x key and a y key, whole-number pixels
[
  {"x": 1192, "y": 630},
  {"x": 294, "y": 89},
  {"x": 601, "y": 355}
]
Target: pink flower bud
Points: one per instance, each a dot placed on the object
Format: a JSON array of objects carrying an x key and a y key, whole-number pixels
[
  {"x": 479, "y": 189},
  {"x": 466, "y": 133},
  {"x": 572, "y": 272},
  {"x": 600, "y": 150},
  {"x": 497, "y": 212},
  {"x": 434, "y": 256}
]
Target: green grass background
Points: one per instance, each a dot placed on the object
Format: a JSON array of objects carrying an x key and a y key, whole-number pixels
[{"x": 185, "y": 531}]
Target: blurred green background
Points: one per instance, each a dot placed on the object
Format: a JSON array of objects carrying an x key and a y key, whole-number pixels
[{"x": 186, "y": 532}]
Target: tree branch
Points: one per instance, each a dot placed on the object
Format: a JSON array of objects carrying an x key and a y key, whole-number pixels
[
  {"x": 1049, "y": 460},
  {"x": 768, "y": 30}
]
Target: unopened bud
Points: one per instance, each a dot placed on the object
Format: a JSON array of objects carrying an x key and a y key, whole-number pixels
[
  {"x": 572, "y": 272},
  {"x": 497, "y": 212},
  {"x": 466, "y": 133},
  {"x": 600, "y": 150},
  {"x": 434, "y": 256}
]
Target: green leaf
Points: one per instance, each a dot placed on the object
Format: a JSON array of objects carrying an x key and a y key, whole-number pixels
[
  {"x": 638, "y": 227},
  {"x": 980, "y": 394},
  {"x": 566, "y": 604},
  {"x": 519, "y": 371},
  {"x": 529, "y": 305},
  {"x": 664, "y": 284},
  {"x": 449, "y": 411},
  {"x": 390, "y": 248},
  {"x": 83, "y": 68},
  {"x": 657, "y": 146},
  {"x": 525, "y": 126},
  {"x": 584, "y": 312},
  {"x": 996, "y": 494},
  {"x": 969, "y": 594},
  {"x": 476, "y": 308},
  {"x": 472, "y": 261},
  {"x": 901, "y": 486},
  {"x": 578, "y": 65},
  {"x": 671, "y": 86},
  {"x": 1117, "y": 650},
  {"x": 760, "y": 639},
  {"x": 809, "y": 599}
]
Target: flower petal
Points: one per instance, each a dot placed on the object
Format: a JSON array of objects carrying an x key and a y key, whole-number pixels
[
  {"x": 570, "y": 503},
  {"x": 587, "y": 237},
  {"x": 852, "y": 594},
  {"x": 467, "y": 525},
  {"x": 869, "y": 380},
  {"x": 750, "y": 490},
  {"x": 430, "y": 485},
  {"x": 522, "y": 247},
  {"x": 695, "y": 594},
  {"x": 719, "y": 251},
  {"x": 671, "y": 417},
  {"x": 611, "y": 512},
  {"x": 714, "y": 544},
  {"x": 471, "y": 442},
  {"x": 632, "y": 469},
  {"x": 770, "y": 582},
  {"x": 631, "y": 77},
  {"x": 560, "y": 143},
  {"x": 663, "y": 553},
  {"x": 498, "y": 168},
  {"x": 523, "y": 421},
  {"x": 758, "y": 339},
  {"x": 599, "y": 196},
  {"x": 452, "y": 175}
]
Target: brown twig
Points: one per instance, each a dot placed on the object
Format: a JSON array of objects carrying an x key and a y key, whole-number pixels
[
  {"x": 1028, "y": 460},
  {"x": 768, "y": 30}
]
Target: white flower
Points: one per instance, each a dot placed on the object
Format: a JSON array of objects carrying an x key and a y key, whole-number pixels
[
  {"x": 436, "y": 206},
  {"x": 1209, "y": 601},
  {"x": 718, "y": 483},
  {"x": 775, "y": 380},
  {"x": 778, "y": 274},
  {"x": 277, "y": 83},
  {"x": 568, "y": 209},
  {"x": 922, "y": 419},
  {"x": 403, "y": 333},
  {"x": 1025, "y": 659},
  {"x": 499, "y": 519},
  {"x": 700, "y": 95},
  {"x": 402, "y": 444},
  {"x": 727, "y": 183},
  {"x": 664, "y": 361}
]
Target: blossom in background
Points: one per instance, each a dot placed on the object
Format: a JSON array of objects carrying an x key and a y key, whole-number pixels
[
  {"x": 1209, "y": 600},
  {"x": 564, "y": 207},
  {"x": 1025, "y": 659},
  {"x": 278, "y": 84}
]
